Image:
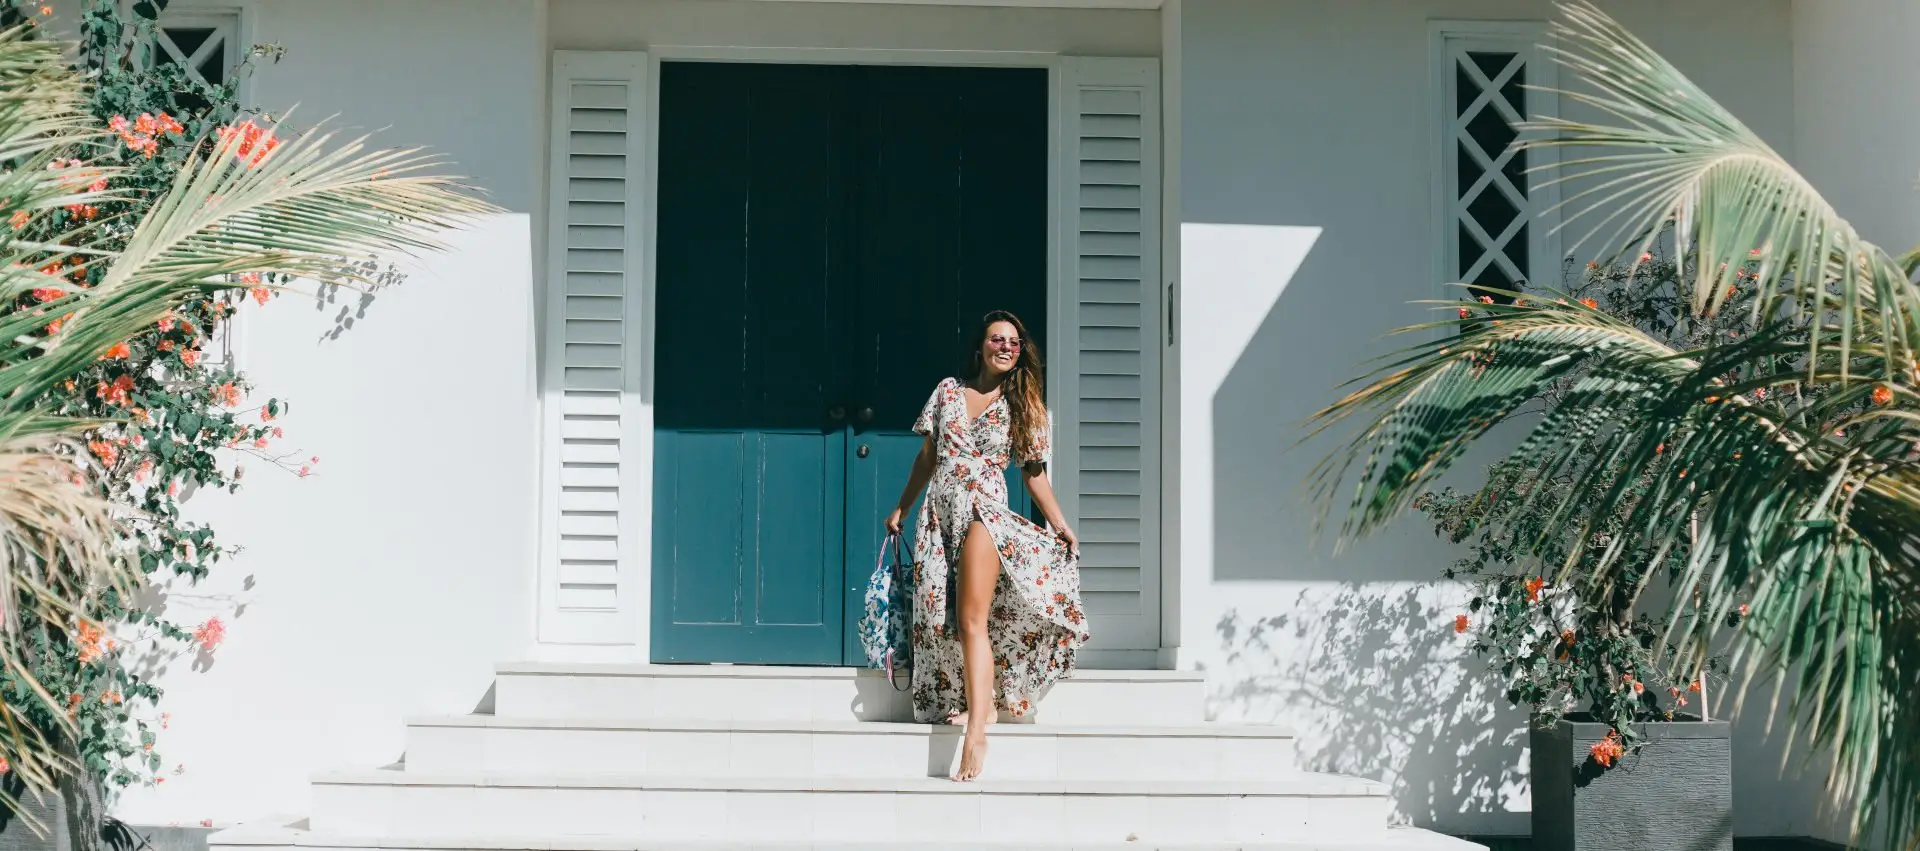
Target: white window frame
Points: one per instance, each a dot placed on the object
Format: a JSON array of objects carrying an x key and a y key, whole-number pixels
[{"x": 1541, "y": 213}]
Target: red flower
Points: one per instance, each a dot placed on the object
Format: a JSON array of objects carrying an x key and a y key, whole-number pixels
[
  {"x": 1694, "y": 686},
  {"x": 249, "y": 141},
  {"x": 1464, "y": 313},
  {"x": 227, "y": 394},
  {"x": 1460, "y": 623},
  {"x": 1639, "y": 687},
  {"x": 47, "y": 294},
  {"x": 1882, "y": 395},
  {"x": 118, "y": 351},
  {"x": 1533, "y": 589},
  {"x": 19, "y": 219}
]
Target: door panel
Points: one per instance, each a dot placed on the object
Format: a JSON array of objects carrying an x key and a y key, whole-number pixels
[
  {"x": 953, "y": 217},
  {"x": 829, "y": 238},
  {"x": 748, "y": 549}
]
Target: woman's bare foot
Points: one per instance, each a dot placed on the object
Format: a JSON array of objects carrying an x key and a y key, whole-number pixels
[
  {"x": 973, "y": 754},
  {"x": 973, "y": 748}
]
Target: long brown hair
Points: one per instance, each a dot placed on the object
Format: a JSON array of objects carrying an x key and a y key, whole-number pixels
[{"x": 1024, "y": 388}]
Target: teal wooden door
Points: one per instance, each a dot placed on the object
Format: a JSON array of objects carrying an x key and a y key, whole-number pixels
[{"x": 828, "y": 235}]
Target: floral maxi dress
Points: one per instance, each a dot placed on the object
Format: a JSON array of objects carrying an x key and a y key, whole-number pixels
[{"x": 1036, "y": 624}]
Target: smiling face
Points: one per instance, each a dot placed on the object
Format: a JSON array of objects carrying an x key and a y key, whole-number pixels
[{"x": 1000, "y": 351}]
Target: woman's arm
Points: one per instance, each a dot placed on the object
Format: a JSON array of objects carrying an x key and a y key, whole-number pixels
[
  {"x": 916, "y": 482},
  {"x": 1041, "y": 489}
]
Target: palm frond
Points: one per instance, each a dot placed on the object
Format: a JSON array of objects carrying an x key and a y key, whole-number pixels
[{"x": 1681, "y": 162}]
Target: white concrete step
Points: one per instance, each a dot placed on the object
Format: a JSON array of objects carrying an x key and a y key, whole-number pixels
[
  {"x": 765, "y": 693},
  {"x": 279, "y": 836},
  {"x": 486, "y": 744},
  {"x": 1307, "y": 807}
]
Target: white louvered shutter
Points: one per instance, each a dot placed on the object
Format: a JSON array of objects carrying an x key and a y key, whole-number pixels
[
  {"x": 1108, "y": 372},
  {"x": 593, "y": 480}
]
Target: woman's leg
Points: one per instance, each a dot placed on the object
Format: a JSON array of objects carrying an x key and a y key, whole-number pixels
[{"x": 979, "y": 573}]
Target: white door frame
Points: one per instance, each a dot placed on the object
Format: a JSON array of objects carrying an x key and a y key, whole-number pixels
[{"x": 1062, "y": 385}]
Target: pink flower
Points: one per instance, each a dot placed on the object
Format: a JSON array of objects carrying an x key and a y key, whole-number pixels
[{"x": 210, "y": 634}]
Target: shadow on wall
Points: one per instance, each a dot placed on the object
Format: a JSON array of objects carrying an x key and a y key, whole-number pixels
[{"x": 1377, "y": 686}]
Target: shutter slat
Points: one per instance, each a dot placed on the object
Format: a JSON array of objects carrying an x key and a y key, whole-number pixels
[
  {"x": 591, "y": 598},
  {"x": 596, "y": 283},
  {"x": 589, "y": 476},
  {"x": 593, "y": 331},
  {"x": 1109, "y": 268},
  {"x": 601, "y": 525},
  {"x": 590, "y": 428},
  {"x": 583, "y": 452},
  {"x": 591, "y": 378},
  {"x": 596, "y": 236},
  {"x": 593, "y": 354},
  {"x": 605, "y": 191},
  {"x": 598, "y": 501},
  {"x": 605, "y": 215},
  {"x": 593, "y": 307},
  {"x": 581, "y": 166},
  {"x": 589, "y": 549},
  {"x": 604, "y": 573}
]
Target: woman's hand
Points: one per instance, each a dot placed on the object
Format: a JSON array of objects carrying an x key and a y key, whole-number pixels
[
  {"x": 894, "y": 522},
  {"x": 1067, "y": 537}
]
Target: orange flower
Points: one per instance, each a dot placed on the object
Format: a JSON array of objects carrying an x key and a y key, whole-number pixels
[
  {"x": 1743, "y": 610},
  {"x": 112, "y": 697},
  {"x": 1646, "y": 257},
  {"x": 5, "y": 766},
  {"x": 1694, "y": 686},
  {"x": 1639, "y": 687},
  {"x": 1486, "y": 299},
  {"x": 1607, "y": 750},
  {"x": 227, "y": 394},
  {"x": 1460, "y": 623},
  {"x": 1567, "y": 636},
  {"x": 260, "y": 294},
  {"x": 1590, "y": 304},
  {"x": 1533, "y": 589},
  {"x": 1464, "y": 313},
  {"x": 54, "y": 326},
  {"x": 118, "y": 351},
  {"x": 19, "y": 219},
  {"x": 190, "y": 357},
  {"x": 1882, "y": 394},
  {"x": 47, "y": 294}
]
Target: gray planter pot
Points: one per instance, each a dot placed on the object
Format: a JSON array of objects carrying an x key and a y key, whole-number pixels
[{"x": 1676, "y": 793}]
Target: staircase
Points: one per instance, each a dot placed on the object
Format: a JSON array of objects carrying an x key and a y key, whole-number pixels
[{"x": 642, "y": 757}]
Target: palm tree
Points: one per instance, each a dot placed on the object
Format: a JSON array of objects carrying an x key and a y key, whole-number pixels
[
  {"x": 1806, "y": 516},
  {"x": 248, "y": 203}
]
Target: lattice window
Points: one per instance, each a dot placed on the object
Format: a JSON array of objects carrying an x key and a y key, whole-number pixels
[
  {"x": 1493, "y": 212},
  {"x": 205, "y": 43}
]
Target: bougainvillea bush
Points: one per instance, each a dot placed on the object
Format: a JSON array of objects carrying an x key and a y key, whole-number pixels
[
  {"x": 175, "y": 193},
  {"x": 1561, "y": 651}
]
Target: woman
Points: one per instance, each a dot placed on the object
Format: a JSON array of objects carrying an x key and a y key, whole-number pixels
[{"x": 1018, "y": 620}]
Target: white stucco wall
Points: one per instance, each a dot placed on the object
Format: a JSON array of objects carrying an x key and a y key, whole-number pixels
[
  {"x": 388, "y": 583},
  {"x": 638, "y": 24},
  {"x": 1304, "y": 193}
]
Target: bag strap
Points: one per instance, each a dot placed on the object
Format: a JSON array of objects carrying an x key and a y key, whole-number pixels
[{"x": 880, "y": 561}]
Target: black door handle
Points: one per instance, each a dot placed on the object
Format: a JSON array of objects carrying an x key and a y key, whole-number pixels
[
  {"x": 862, "y": 451},
  {"x": 836, "y": 413}
]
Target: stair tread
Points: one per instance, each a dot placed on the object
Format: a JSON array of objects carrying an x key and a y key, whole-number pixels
[
  {"x": 1244, "y": 731},
  {"x": 779, "y": 672},
  {"x": 1302, "y": 784},
  {"x": 1397, "y": 838}
]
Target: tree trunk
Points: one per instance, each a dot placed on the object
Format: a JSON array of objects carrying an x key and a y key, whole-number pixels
[{"x": 80, "y": 798}]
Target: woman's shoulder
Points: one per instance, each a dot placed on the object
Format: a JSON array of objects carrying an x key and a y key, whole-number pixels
[{"x": 947, "y": 384}]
